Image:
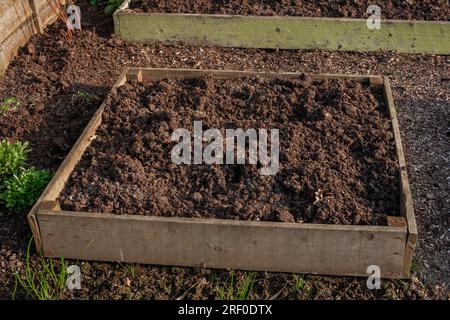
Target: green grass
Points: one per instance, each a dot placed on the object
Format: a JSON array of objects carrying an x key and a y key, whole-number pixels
[
  {"x": 298, "y": 284},
  {"x": 41, "y": 281},
  {"x": 9, "y": 104},
  {"x": 233, "y": 289},
  {"x": 132, "y": 270}
]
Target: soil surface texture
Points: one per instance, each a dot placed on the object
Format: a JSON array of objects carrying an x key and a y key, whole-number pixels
[
  {"x": 337, "y": 153},
  {"x": 390, "y": 9},
  {"x": 52, "y": 75}
]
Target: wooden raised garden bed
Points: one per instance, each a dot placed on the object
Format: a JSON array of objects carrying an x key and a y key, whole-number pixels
[
  {"x": 284, "y": 32},
  {"x": 219, "y": 243}
]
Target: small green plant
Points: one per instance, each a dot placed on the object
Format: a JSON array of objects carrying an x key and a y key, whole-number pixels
[
  {"x": 89, "y": 97},
  {"x": 9, "y": 104},
  {"x": 22, "y": 190},
  {"x": 231, "y": 289},
  {"x": 112, "y": 6},
  {"x": 20, "y": 185},
  {"x": 41, "y": 281},
  {"x": 132, "y": 270},
  {"x": 299, "y": 283},
  {"x": 12, "y": 158}
]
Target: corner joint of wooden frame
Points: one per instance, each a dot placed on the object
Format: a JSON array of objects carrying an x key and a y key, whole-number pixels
[
  {"x": 44, "y": 205},
  {"x": 48, "y": 205},
  {"x": 35, "y": 230},
  {"x": 394, "y": 221},
  {"x": 134, "y": 74},
  {"x": 376, "y": 81}
]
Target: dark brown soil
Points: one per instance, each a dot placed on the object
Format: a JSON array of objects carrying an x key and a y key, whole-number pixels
[
  {"x": 390, "y": 9},
  {"x": 337, "y": 153},
  {"x": 93, "y": 60}
]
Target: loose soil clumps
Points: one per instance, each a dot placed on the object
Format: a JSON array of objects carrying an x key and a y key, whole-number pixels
[
  {"x": 337, "y": 153},
  {"x": 390, "y": 9}
]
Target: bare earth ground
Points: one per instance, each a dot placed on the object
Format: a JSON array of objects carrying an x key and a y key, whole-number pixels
[
  {"x": 48, "y": 75},
  {"x": 391, "y": 9}
]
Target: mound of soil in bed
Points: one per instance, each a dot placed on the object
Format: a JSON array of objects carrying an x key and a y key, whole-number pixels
[
  {"x": 337, "y": 154},
  {"x": 390, "y": 9}
]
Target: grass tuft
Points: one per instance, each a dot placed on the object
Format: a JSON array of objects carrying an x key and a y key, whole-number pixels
[
  {"x": 298, "y": 283},
  {"x": 232, "y": 289},
  {"x": 41, "y": 281}
]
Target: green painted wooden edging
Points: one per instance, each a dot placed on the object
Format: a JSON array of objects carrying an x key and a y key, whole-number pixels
[{"x": 283, "y": 32}]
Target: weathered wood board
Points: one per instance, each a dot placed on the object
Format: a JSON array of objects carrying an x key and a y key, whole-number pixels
[
  {"x": 19, "y": 21},
  {"x": 284, "y": 32},
  {"x": 215, "y": 243},
  {"x": 212, "y": 243}
]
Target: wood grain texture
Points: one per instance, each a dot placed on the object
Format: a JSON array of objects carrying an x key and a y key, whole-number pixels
[
  {"x": 149, "y": 74},
  {"x": 406, "y": 202},
  {"x": 16, "y": 28},
  {"x": 13, "y": 14},
  {"x": 37, "y": 16},
  {"x": 407, "y": 210},
  {"x": 215, "y": 243},
  {"x": 285, "y": 32}
]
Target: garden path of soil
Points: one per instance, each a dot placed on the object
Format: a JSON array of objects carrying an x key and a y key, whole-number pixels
[
  {"x": 337, "y": 162},
  {"x": 390, "y": 9},
  {"x": 48, "y": 76}
]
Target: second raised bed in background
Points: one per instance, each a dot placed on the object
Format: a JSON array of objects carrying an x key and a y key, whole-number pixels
[{"x": 284, "y": 32}]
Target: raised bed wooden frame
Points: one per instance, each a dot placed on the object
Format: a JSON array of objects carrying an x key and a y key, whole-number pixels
[
  {"x": 284, "y": 32},
  {"x": 215, "y": 243}
]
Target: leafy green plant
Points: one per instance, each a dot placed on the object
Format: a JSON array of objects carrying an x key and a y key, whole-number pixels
[
  {"x": 89, "y": 97},
  {"x": 112, "y": 6},
  {"x": 231, "y": 289},
  {"x": 12, "y": 158},
  {"x": 93, "y": 2},
  {"x": 299, "y": 283},
  {"x": 41, "y": 281},
  {"x": 9, "y": 104},
  {"x": 22, "y": 190}
]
